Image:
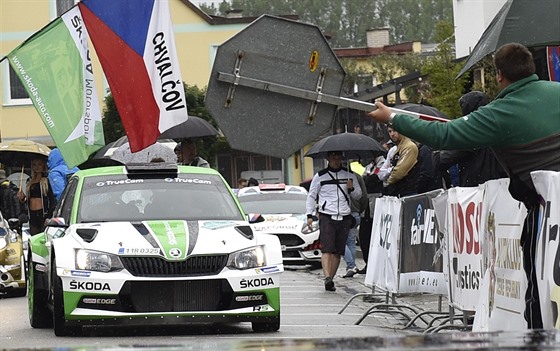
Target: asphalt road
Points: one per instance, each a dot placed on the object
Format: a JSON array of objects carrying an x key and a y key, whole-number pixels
[{"x": 307, "y": 311}]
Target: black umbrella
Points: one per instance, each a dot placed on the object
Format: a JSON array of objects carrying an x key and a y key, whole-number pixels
[
  {"x": 351, "y": 144},
  {"x": 422, "y": 109},
  {"x": 529, "y": 22},
  {"x": 194, "y": 127}
]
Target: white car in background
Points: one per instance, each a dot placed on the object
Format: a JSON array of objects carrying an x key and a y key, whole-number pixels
[{"x": 283, "y": 208}]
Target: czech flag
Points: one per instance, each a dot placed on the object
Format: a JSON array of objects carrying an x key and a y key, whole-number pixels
[{"x": 136, "y": 47}]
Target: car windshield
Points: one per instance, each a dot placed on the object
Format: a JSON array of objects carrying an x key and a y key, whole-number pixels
[
  {"x": 277, "y": 203},
  {"x": 187, "y": 197}
]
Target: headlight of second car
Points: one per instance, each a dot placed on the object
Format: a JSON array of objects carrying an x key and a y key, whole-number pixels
[
  {"x": 314, "y": 227},
  {"x": 248, "y": 258},
  {"x": 97, "y": 261}
]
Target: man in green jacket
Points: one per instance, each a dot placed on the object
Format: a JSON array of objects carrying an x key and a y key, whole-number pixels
[{"x": 522, "y": 125}]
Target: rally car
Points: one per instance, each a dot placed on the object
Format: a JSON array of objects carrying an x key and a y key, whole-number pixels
[
  {"x": 152, "y": 244},
  {"x": 283, "y": 208},
  {"x": 13, "y": 280}
]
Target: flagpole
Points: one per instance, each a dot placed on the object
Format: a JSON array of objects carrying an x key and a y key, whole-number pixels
[{"x": 21, "y": 178}]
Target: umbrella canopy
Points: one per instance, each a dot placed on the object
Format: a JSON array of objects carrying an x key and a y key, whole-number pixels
[
  {"x": 103, "y": 157},
  {"x": 21, "y": 152},
  {"x": 528, "y": 22},
  {"x": 194, "y": 127},
  {"x": 423, "y": 109},
  {"x": 157, "y": 150},
  {"x": 351, "y": 144}
]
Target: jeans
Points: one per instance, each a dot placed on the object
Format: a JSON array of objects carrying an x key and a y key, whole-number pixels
[{"x": 350, "y": 250}]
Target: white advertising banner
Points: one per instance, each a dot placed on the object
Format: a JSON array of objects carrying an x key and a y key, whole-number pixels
[
  {"x": 464, "y": 211},
  {"x": 502, "y": 292},
  {"x": 383, "y": 259},
  {"x": 547, "y": 263}
]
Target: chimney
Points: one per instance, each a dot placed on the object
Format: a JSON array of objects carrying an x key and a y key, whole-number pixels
[
  {"x": 377, "y": 37},
  {"x": 234, "y": 13}
]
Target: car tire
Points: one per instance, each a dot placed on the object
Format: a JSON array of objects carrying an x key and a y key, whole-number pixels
[
  {"x": 19, "y": 292},
  {"x": 39, "y": 314},
  {"x": 59, "y": 319},
  {"x": 266, "y": 327}
]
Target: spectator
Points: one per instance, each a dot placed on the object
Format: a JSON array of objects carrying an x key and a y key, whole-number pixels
[
  {"x": 40, "y": 199},
  {"x": 522, "y": 126},
  {"x": 189, "y": 156},
  {"x": 252, "y": 182},
  {"x": 58, "y": 172},
  {"x": 428, "y": 178},
  {"x": 475, "y": 166},
  {"x": 358, "y": 128},
  {"x": 10, "y": 206},
  {"x": 331, "y": 188},
  {"x": 403, "y": 179},
  {"x": 358, "y": 207},
  {"x": 241, "y": 183}
]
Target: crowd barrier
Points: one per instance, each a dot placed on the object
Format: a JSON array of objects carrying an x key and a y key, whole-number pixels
[{"x": 463, "y": 244}]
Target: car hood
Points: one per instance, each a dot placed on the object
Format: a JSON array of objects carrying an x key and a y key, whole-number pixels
[
  {"x": 174, "y": 239},
  {"x": 279, "y": 223}
]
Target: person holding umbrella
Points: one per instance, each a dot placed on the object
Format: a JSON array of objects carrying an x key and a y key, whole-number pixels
[
  {"x": 332, "y": 188},
  {"x": 522, "y": 125},
  {"x": 40, "y": 199}
]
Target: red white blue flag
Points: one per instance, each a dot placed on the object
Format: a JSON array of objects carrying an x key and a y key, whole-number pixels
[{"x": 136, "y": 47}]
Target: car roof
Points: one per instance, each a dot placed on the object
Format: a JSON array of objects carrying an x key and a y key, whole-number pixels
[
  {"x": 279, "y": 188},
  {"x": 144, "y": 168}
]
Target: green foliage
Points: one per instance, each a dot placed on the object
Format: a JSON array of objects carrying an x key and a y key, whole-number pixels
[
  {"x": 490, "y": 86},
  {"x": 348, "y": 20},
  {"x": 442, "y": 90},
  {"x": 383, "y": 68},
  {"x": 112, "y": 125},
  {"x": 207, "y": 147}
]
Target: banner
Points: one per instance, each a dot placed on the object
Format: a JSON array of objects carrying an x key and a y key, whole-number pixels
[
  {"x": 136, "y": 47},
  {"x": 383, "y": 259},
  {"x": 54, "y": 66},
  {"x": 464, "y": 211},
  {"x": 502, "y": 292},
  {"x": 421, "y": 257},
  {"x": 547, "y": 263}
]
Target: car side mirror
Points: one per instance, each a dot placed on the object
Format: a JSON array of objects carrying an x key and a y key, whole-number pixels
[
  {"x": 57, "y": 222},
  {"x": 255, "y": 218}
]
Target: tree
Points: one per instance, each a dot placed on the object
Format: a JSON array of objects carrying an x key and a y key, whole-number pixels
[
  {"x": 348, "y": 20},
  {"x": 442, "y": 89}
]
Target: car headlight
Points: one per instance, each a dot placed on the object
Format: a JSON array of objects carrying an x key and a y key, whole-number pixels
[
  {"x": 97, "y": 261},
  {"x": 314, "y": 227},
  {"x": 249, "y": 258}
]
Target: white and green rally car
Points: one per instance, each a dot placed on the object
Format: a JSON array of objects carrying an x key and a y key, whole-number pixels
[{"x": 151, "y": 244}]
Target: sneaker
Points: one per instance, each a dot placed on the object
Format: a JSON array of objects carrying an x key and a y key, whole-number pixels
[
  {"x": 329, "y": 284},
  {"x": 351, "y": 272},
  {"x": 362, "y": 271}
]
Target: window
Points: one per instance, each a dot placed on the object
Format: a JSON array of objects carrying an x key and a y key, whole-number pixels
[{"x": 16, "y": 93}]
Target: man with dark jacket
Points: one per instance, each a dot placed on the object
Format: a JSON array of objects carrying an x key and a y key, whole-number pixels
[{"x": 522, "y": 125}]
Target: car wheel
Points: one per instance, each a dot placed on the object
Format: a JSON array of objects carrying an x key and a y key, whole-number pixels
[
  {"x": 269, "y": 326},
  {"x": 59, "y": 320},
  {"x": 39, "y": 314},
  {"x": 19, "y": 292}
]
